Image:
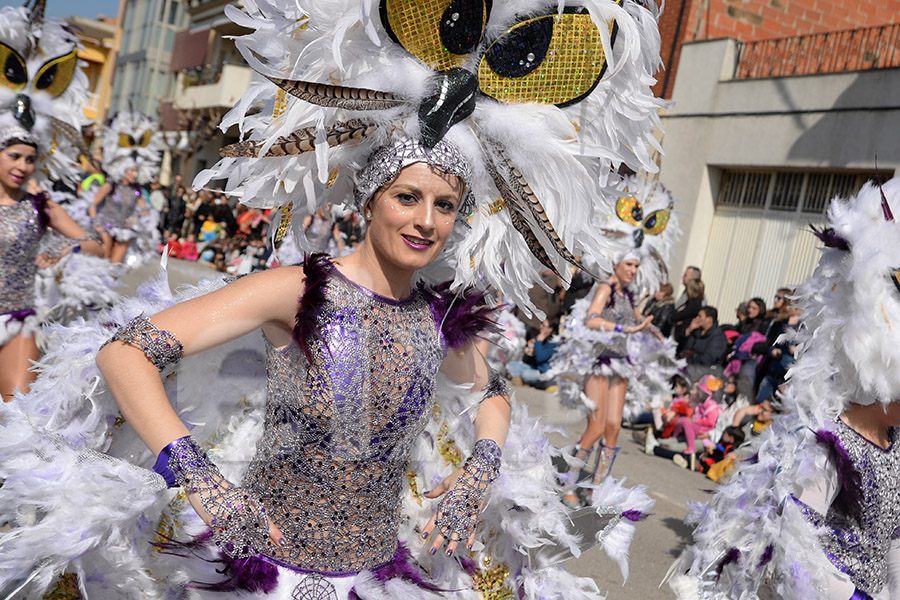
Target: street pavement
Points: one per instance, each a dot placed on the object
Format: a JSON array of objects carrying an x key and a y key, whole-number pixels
[{"x": 658, "y": 540}]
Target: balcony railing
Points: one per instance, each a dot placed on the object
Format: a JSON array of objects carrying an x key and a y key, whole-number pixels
[{"x": 832, "y": 52}]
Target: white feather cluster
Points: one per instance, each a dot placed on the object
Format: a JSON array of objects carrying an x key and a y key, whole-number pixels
[
  {"x": 57, "y": 160},
  {"x": 118, "y": 158},
  {"x": 568, "y": 155}
]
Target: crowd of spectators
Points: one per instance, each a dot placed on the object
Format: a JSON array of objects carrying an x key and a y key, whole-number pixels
[{"x": 210, "y": 226}]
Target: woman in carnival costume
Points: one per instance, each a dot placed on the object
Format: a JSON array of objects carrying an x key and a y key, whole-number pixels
[
  {"x": 607, "y": 344},
  {"x": 27, "y": 126},
  {"x": 816, "y": 512},
  {"x": 373, "y": 391},
  {"x": 131, "y": 158}
]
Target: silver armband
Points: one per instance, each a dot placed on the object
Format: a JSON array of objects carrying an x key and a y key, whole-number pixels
[
  {"x": 158, "y": 345},
  {"x": 458, "y": 511},
  {"x": 496, "y": 386}
]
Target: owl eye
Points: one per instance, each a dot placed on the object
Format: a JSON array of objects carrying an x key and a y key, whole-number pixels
[
  {"x": 629, "y": 210},
  {"x": 440, "y": 33},
  {"x": 549, "y": 59},
  {"x": 145, "y": 139},
  {"x": 55, "y": 75},
  {"x": 14, "y": 74},
  {"x": 656, "y": 222},
  {"x": 126, "y": 141}
]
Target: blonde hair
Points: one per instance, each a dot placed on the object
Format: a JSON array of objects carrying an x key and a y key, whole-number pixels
[{"x": 695, "y": 289}]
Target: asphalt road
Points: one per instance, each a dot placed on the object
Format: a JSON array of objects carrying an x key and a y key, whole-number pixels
[{"x": 658, "y": 540}]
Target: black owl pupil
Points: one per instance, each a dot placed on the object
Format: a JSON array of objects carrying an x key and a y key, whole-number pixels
[
  {"x": 131, "y": 141},
  {"x": 13, "y": 71},
  {"x": 636, "y": 213},
  {"x": 461, "y": 25},
  {"x": 523, "y": 49},
  {"x": 651, "y": 222},
  {"x": 46, "y": 79}
]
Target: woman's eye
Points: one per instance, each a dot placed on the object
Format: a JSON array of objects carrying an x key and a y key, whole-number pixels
[
  {"x": 446, "y": 206},
  {"x": 406, "y": 198}
]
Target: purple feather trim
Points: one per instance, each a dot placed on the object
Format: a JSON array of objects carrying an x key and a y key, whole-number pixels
[
  {"x": 885, "y": 207},
  {"x": 830, "y": 238},
  {"x": 404, "y": 567},
  {"x": 460, "y": 317},
  {"x": 316, "y": 268},
  {"x": 766, "y": 557},
  {"x": 732, "y": 556},
  {"x": 635, "y": 515},
  {"x": 849, "y": 500},
  {"x": 39, "y": 202},
  {"x": 612, "y": 296}
]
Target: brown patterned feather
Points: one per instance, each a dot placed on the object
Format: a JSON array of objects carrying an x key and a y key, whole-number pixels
[
  {"x": 523, "y": 196},
  {"x": 336, "y": 96},
  {"x": 660, "y": 263},
  {"x": 74, "y": 136},
  {"x": 534, "y": 245},
  {"x": 302, "y": 140}
]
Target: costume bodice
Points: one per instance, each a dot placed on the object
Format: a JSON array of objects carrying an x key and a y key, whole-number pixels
[
  {"x": 118, "y": 206},
  {"x": 620, "y": 310},
  {"x": 340, "y": 424},
  {"x": 860, "y": 549},
  {"x": 21, "y": 229}
]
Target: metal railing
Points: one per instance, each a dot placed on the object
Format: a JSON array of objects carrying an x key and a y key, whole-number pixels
[
  {"x": 205, "y": 75},
  {"x": 831, "y": 52}
]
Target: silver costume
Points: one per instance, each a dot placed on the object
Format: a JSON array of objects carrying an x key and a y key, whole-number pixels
[
  {"x": 859, "y": 549},
  {"x": 20, "y": 233},
  {"x": 117, "y": 214},
  {"x": 619, "y": 310}
]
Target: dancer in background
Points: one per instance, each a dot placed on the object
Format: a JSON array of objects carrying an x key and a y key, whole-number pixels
[{"x": 816, "y": 513}]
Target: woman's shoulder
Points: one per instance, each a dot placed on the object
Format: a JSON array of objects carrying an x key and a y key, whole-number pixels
[{"x": 460, "y": 315}]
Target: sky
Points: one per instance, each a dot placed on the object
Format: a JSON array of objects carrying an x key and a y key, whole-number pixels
[{"x": 71, "y": 8}]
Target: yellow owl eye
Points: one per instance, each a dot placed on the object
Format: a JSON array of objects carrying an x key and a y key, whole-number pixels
[
  {"x": 629, "y": 210},
  {"x": 55, "y": 75},
  {"x": 126, "y": 141},
  {"x": 440, "y": 33},
  {"x": 14, "y": 74},
  {"x": 145, "y": 139},
  {"x": 550, "y": 59},
  {"x": 656, "y": 222}
]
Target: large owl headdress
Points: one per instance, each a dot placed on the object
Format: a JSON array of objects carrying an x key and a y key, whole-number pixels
[
  {"x": 850, "y": 339},
  {"x": 644, "y": 224},
  {"x": 545, "y": 99},
  {"x": 130, "y": 139},
  {"x": 42, "y": 89}
]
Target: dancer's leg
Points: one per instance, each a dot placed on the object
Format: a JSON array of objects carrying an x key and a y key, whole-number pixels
[
  {"x": 15, "y": 360},
  {"x": 614, "y": 409},
  {"x": 595, "y": 388},
  {"x": 119, "y": 249},
  {"x": 107, "y": 244}
]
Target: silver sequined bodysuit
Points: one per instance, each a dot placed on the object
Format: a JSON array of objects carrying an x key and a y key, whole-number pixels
[
  {"x": 339, "y": 428},
  {"x": 117, "y": 208},
  {"x": 619, "y": 310},
  {"x": 860, "y": 550},
  {"x": 20, "y": 233}
]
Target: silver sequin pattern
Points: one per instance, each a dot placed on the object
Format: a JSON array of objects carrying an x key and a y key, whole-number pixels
[
  {"x": 339, "y": 428},
  {"x": 621, "y": 312},
  {"x": 458, "y": 511},
  {"x": 386, "y": 162},
  {"x": 860, "y": 550},
  {"x": 159, "y": 345},
  {"x": 118, "y": 208},
  {"x": 20, "y": 234}
]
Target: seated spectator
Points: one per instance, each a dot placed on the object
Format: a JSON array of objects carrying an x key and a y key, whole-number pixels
[
  {"x": 661, "y": 306},
  {"x": 724, "y": 450},
  {"x": 702, "y": 420},
  {"x": 174, "y": 246},
  {"x": 756, "y": 317},
  {"x": 705, "y": 344},
  {"x": 740, "y": 315},
  {"x": 189, "y": 248},
  {"x": 689, "y": 273},
  {"x": 779, "y": 355},
  {"x": 682, "y": 317},
  {"x": 760, "y": 415},
  {"x": 536, "y": 361}
]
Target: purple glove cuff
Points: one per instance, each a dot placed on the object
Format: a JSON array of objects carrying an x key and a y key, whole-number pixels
[{"x": 162, "y": 464}]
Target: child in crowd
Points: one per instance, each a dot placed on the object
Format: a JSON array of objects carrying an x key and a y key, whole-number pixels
[
  {"x": 189, "y": 248},
  {"x": 724, "y": 450}
]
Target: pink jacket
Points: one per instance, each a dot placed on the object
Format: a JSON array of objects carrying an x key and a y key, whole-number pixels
[{"x": 706, "y": 415}]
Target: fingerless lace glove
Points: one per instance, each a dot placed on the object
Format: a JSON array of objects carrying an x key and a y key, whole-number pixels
[{"x": 458, "y": 510}]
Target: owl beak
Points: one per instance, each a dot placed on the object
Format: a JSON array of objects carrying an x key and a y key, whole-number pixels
[
  {"x": 638, "y": 236},
  {"x": 23, "y": 112},
  {"x": 134, "y": 154},
  {"x": 453, "y": 101}
]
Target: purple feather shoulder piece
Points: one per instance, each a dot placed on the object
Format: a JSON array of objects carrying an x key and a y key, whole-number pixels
[
  {"x": 317, "y": 269},
  {"x": 39, "y": 202},
  {"x": 849, "y": 500},
  {"x": 830, "y": 238},
  {"x": 461, "y": 317}
]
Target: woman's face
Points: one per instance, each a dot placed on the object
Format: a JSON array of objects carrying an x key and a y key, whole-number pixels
[
  {"x": 626, "y": 270},
  {"x": 753, "y": 310},
  {"x": 413, "y": 215},
  {"x": 17, "y": 164},
  {"x": 131, "y": 175}
]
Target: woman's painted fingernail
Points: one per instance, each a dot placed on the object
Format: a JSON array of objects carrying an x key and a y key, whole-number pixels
[
  {"x": 425, "y": 536},
  {"x": 282, "y": 542},
  {"x": 433, "y": 551},
  {"x": 449, "y": 552}
]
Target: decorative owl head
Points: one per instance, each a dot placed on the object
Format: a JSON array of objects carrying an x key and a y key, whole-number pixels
[
  {"x": 544, "y": 98},
  {"x": 42, "y": 89},
  {"x": 850, "y": 339},
  {"x": 130, "y": 139},
  {"x": 644, "y": 224}
]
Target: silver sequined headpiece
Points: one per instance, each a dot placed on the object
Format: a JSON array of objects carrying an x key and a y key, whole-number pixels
[
  {"x": 386, "y": 162},
  {"x": 17, "y": 133}
]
